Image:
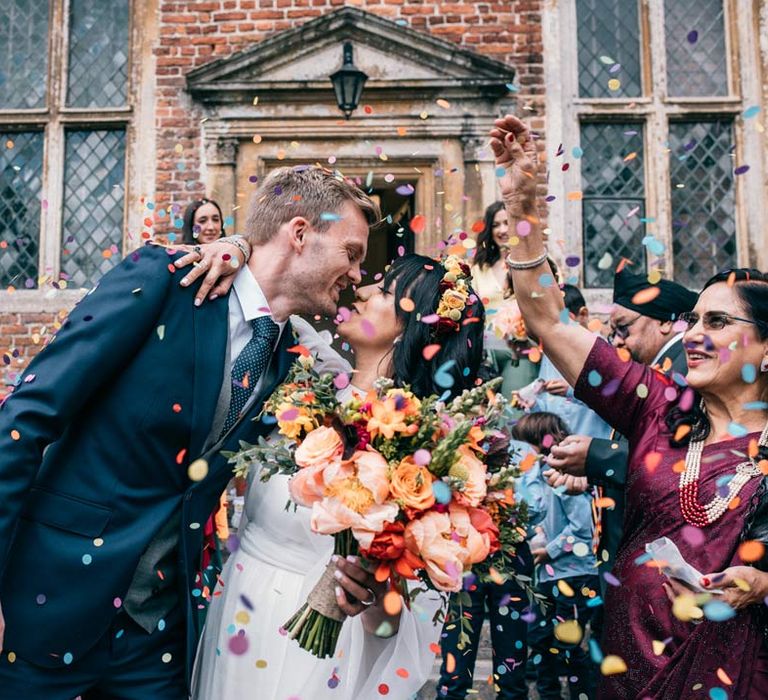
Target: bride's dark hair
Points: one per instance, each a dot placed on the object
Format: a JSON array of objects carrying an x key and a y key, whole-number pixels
[{"x": 418, "y": 278}]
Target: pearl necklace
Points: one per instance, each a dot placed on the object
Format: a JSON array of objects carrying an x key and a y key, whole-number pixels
[{"x": 697, "y": 514}]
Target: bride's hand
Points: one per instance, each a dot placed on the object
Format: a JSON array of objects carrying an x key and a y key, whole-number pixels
[
  {"x": 218, "y": 261},
  {"x": 357, "y": 590}
]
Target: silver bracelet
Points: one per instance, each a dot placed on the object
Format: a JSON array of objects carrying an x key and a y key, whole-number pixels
[
  {"x": 239, "y": 242},
  {"x": 526, "y": 264}
]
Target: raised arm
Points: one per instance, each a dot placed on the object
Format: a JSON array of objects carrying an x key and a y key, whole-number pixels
[{"x": 566, "y": 343}]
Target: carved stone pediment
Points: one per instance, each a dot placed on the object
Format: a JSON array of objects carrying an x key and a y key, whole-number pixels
[{"x": 294, "y": 65}]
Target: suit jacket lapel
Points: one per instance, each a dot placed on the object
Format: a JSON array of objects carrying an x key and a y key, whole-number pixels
[{"x": 211, "y": 324}]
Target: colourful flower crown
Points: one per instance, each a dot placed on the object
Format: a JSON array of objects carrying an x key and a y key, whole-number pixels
[{"x": 456, "y": 292}]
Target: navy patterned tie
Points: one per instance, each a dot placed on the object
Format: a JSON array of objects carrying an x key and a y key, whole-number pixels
[{"x": 250, "y": 365}]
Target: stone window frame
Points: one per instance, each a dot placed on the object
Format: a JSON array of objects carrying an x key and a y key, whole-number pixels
[
  {"x": 565, "y": 111},
  {"x": 135, "y": 118}
]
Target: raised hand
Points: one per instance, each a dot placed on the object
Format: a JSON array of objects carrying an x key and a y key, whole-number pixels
[
  {"x": 218, "y": 261},
  {"x": 513, "y": 147},
  {"x": 570, "y": 455}
]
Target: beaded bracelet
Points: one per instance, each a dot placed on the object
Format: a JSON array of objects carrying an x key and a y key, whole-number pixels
[
  {"x": 526, "y": 264},
  {"x": 239, "y": 242}
]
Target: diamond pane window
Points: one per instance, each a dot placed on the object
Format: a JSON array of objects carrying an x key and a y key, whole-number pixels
[
  {"x": 92, "y": 230},
  {"x": 613, "y": 202},
  {"x": 98, "y": 53},
  {"x": 703, "y": 199},
  {"x": 609, "y": 48},
  {"x": 695, "y": 37},
  {"x": 23, "y": 53},
  {"x": 21, "y": 180}
]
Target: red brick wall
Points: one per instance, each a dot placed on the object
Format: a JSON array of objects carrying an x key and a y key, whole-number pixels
[{"x": 194, "y": 32}]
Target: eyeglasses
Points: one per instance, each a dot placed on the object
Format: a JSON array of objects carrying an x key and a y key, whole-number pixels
[
  {"x": 712, "y": 320},
  {"x": 621, "y": 329}
]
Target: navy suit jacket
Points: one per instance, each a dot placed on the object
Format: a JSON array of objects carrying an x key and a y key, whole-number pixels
[{"x": 94, "y": 448}]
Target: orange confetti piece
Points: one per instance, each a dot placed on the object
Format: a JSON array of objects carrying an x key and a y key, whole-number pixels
[
  {"x": 402, "y": 131},
  {"x": 177, "y": 408},
  {"x": 392, "y": 603},
  {"x": 595, "y": 325},
  {"x": 15, "y": 435},
  {"x": 299, "y": 350},
  {"x": 751, "y": 550},
  {"x": 407, "y": 305},
  {"x": 731, "y": 279},
  {"x": 181, "y": 455},
  {"x": 402, "y": 672},
  {"x": 682, "y": 431},
  {"x": 171, "y": 268},
  {"x": 528, "y": 461},
  {"x": 753, "y": 448},
  {"x": 723, "y": 676},
  {"x": 735, "y": 503},
  {"x": 434, "y": 647},
  {"x": 645, "y": 296},
  {"x": 652, "y": 460},
  {"x": 605, "y": 502},
  {"x": 418, "y": 223},
  {"x": 430, "y": 351},
  {"x": 630, "y": 156},
  {"x": 478, "y": 226},
  {"x": 574, "y": 196},
  {"x": 534, "y": 355},
  {"x": 763, "y": 466},
  {"x": 450, "y": 663},
  {"x": 679, "y": 466},
  {"x": 623, "y": 354}
]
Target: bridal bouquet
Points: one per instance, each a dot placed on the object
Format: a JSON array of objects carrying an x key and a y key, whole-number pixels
[
  {"x": 508, "y": 323},
  {"x": 423, "y": 487}
]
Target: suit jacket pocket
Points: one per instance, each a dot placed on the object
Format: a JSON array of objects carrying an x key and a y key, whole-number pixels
[{"x": 65, "y": 512}]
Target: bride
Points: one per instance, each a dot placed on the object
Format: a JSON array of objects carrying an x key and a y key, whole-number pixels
[{"x": 243, "y": 652}]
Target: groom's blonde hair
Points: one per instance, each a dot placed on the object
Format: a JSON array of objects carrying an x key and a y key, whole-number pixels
[{"x": 308, "y": 191}]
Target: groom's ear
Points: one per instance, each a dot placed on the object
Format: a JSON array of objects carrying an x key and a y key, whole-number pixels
[{"x": 297, "y": 229}]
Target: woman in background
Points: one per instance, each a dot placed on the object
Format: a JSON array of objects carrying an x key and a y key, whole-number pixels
[{"x": 203, "y": 222}]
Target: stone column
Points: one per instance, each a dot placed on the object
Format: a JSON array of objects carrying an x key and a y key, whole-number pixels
[
  {"x": 220, "y": 182},
  {"x": 479, "y": 182}
]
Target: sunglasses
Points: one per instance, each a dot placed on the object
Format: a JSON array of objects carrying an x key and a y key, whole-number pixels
[{"x": 711, "y": 320}]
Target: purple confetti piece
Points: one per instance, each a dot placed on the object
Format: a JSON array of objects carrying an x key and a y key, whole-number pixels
[
  {"x": 572, "y": 260},
  {"x": 693, "y": 36},
  {"x": 405, "y": 190},
  {"x": 741, "y": 170},
  {"x": 246, "y": 602},
  {"x": 238, "y": 643},
  {"x": 431, "y": 318},
  {"x": 611, "y": 579}
]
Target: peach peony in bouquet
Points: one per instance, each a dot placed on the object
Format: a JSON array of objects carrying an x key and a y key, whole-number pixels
[{"x": 421, "y": 488}]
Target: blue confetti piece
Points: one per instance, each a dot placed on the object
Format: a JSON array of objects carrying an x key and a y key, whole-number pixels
[
  {"x": 329, "y": 216},
  {"x": 594, "y": 602},
  {"x": 755, "y": 406},
  {"x": 750, "y": 112},
  {"x": 718, "y": 611},
  {"x": 87, "y": 559},
  {"x": 500, "y": 172},
  {"x": 749, "y": 373},
  {"x": 717, "y": 693},
  {"x": 594, "y": 378},
  {"x": 229, "y": 221},
  {"x": 67, "y": 658},
  {"x": 639, "y": 561},
  {"x": 442, "y": 491},
  {"x": 577, "y": 152},
  {"x": 737, "y": 429},
  {"x": 546, "y": 280},
  {"x": 161, "y": 625},
  {"x": 512, "y": 88},
  {"x": 595, "y": 653},
  {"x": 443, "y": 378}
]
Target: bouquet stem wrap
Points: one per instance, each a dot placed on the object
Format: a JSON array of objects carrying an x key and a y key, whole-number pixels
[{"x": 317, "y": 624}]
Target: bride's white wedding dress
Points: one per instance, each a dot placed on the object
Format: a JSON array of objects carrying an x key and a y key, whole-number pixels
[{"x": 243, "y": 655}]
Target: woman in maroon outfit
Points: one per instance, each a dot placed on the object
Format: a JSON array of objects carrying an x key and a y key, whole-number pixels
[{"x": 694, "y": 472}]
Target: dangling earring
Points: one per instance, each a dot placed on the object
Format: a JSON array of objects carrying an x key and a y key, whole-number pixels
[{"x": 764, "y": 364}]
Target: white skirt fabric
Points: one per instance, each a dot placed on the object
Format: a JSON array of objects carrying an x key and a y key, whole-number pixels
[{"x": 242, "y": 653}]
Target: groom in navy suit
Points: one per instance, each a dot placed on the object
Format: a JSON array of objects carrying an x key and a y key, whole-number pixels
[{"x": 110, "y": 446}]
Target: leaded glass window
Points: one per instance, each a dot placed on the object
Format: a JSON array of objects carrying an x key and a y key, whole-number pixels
[
  {"x": 695, "y": 39},
  {"x": 703, "y": 199},
  {"x": 21, "y": 178},
  {"x": 98, "y": 53},
  {"x": 609, "y": 48},
  {"x": 613, "y": 198},
  {"x": 92, "y": 230},
  {"x": 23, "y": 53}
]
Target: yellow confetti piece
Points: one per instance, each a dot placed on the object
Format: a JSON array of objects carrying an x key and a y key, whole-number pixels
[
  {"x": 242, "y": 618},
  {"x": 261, "y": 663},
  {"x": 684, "y": 608},
  {"x": 496, "y": 577},
  {"x": 166, "y": 658},
  {"x": 658, "y": 647},
  {"x": 654, "y": 277},
  {"x": 160, "y": 332},
  {"x": 11, "y": 657},
  {"x": 255, "y": 100},
  {"x": 569, "y": 632},
  {"x": 98, "y": 542},
  {"x": 614, "y": 84},
  {"x": 565, "y": 589},
  {"x": 198, "y": 470},
  {"x": 613, "y": 665},
  {"x": 742, "y": 585}
]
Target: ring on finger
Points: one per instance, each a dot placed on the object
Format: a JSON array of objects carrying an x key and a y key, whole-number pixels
[
  {"x": 198, "y": 250},
  {"x": 373, "y": 599}
]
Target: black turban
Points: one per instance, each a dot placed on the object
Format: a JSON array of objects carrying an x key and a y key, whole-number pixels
[{"x": 667, "y": 305}]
